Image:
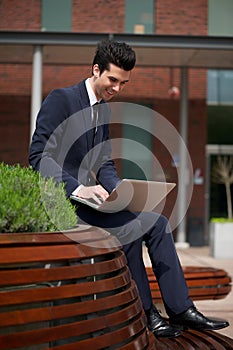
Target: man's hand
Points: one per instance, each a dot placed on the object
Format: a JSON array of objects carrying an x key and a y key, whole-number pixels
[{"x": 98, "y": 193}]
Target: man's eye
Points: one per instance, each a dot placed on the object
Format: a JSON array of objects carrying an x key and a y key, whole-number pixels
[{"x": 112, "y": 79}]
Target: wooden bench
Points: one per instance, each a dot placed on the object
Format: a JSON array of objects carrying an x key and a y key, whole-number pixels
[
  {"x": 73, "y": 291},
  {"x": 203, "y": 282},
  {"x": 196, "y": 340},
  {"x": 68, "y": 291}
]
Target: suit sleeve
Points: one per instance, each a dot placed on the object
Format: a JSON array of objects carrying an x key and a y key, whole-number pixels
[{"x": 47, "y": 141}]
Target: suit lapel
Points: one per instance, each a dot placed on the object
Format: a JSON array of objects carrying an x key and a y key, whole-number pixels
[{"x": 86, "y": 114}]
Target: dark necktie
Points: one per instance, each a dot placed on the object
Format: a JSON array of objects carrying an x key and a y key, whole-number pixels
[{"x": 94, "y": 120}]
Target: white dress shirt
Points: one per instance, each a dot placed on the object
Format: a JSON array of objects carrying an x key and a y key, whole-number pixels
[{"x": 93, "y": 101}]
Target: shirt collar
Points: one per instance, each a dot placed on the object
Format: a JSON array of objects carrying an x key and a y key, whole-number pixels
[{"x": 90, "y": 92}]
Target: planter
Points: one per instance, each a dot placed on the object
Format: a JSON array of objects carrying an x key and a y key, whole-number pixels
[
  {"x": 71, "y": 290},
  {"x": 221, "y": 240}
]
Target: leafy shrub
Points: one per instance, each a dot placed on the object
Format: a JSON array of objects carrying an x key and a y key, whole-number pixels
[
  {"x": 221, "y": 220},
  {"x": 31, "y": 203}
]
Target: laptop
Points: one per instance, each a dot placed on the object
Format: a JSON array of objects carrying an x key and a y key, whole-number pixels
[{"x": 132, "y": 195}]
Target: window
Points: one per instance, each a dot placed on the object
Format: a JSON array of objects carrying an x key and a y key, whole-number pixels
[
  {"x": 56, "y": 15},
  {"x": 139, "y": 16},
  {"x": 220, "y": 82},
  {"x": 137, "y": 142},
  {"x": 220, "y": 87},
  {"x": 220, "y": 17}
]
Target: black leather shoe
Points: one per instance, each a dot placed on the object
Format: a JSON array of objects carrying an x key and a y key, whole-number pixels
[
  {"x": 192, "y": 318},
  {"x": 158, "y": 326}
]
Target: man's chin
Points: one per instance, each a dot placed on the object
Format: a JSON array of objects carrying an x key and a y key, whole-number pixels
[{"x": 108, "y": 97}]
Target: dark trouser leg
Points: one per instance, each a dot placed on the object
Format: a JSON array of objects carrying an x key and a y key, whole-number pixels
[
  {"x": 167, "y": 268},
  {"x": 133, "y": 252},
  {"x": 126, "y": 226},
  {"x": 131, "y": 229}
]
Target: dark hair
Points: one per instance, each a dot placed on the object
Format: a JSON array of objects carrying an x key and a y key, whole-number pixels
[{"x": 119, "y": 54}]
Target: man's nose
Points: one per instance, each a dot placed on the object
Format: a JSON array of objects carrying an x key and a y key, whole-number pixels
[{"x": 117, "y": 87}]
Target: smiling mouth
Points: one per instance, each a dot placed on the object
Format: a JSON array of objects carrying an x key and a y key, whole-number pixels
[{"x": 110, "y": 92}]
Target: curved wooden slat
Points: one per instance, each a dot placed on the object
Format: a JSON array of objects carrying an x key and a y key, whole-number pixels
[
  {"x": 115, "y": 338},
  {"x": 203, "y": 283},
  {"x": 51, "y": 313},
  {"x": 33, "y": 294},
  {"x": 54, "y": 295},
  {"x": 141, "y": 343},
  {"x": 221, "y": 339},
  {"x": 110, "y": 320},
  {"x": 32, "y": 275},
  {"x": 195, "y": 340},
  {"x": 54, "y": 253},
  {"x": 82, "y": 234}
]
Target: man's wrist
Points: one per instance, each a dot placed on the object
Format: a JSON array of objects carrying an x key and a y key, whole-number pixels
[{"x": 76, "y": 191}]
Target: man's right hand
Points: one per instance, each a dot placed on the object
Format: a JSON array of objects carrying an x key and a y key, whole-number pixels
[{"x": 98, "y": 193}]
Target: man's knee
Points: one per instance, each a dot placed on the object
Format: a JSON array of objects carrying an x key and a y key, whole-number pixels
[
  {"x": 162, "y": 220},
  {"x": 163, "y": 224},
  {"x": 151, "y": 221}
]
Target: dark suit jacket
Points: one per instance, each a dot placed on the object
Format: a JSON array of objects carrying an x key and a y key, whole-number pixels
[{"x": 61, "y": 146}]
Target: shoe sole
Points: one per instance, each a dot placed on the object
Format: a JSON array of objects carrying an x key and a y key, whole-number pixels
[{"x": 184, "y": 328}]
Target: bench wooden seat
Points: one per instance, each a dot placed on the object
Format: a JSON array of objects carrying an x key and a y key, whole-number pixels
[
  {"x": 203, "y": 282},
  {"x": 68, "y": 291},
  {"x": 196, "y": 340}
]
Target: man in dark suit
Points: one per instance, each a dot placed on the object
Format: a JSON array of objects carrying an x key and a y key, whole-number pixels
[{"x": 66, "y": 147}]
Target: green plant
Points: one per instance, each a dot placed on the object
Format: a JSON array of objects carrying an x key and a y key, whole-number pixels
[
  {"x": 221, "y": 220},
  {"x": 31, "y": 203}
]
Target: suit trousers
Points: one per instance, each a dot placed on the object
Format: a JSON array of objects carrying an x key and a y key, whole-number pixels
[{"x": 152, "y": 229}]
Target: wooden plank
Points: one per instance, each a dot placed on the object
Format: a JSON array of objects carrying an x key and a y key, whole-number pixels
[
  {"x": 225, "y": 341},
  {"x": 193, "y": 340},
  {"x": 37, "y": 315},
  {"x": 203, "y": 283},
  {"x": 142, "y": 343},
  {"x": 33, "y": 295},
  {"x": 80, "y": 235},
  {"x": 115, "y": 311},
  {"x": 126, "y": 333},
  {"x": 208, "y": 340},
  {"x": 51, "y": 312},
  {"x": 29, "y": 275},
  {"x": 200, "y": 294},
  {"x": 113, "y": 319},
  {"x": 53, "y": 253},
  {"x": 195, "y": 272}
]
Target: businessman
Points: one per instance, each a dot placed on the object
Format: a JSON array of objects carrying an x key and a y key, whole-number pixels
[{"x": 66, "y": 146}]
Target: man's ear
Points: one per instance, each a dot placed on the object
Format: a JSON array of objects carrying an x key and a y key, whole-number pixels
[{"x": 96, "y": 71}]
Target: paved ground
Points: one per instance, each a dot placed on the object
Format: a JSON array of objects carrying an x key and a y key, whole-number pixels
[{"x": 200, "y": 256}]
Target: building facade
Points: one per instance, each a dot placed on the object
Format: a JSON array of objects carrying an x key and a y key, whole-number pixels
[{"x": 149, "y": 86}]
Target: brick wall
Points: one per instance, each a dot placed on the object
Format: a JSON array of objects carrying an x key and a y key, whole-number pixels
[
  {"x": 15, "y": 79},
  {"x": 177, "y": 17},
  {"x": 155, "y": 83},
  {"x": 102, "y": 16},
  {"x": 181, "y": 17},
  {"x": 20, "y": 15},
  {"x": 14, "y": 129}
]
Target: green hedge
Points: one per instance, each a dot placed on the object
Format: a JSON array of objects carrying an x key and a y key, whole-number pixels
[
  {"x": 30, "y": 203},
  {"x": 221, "y": 220}
]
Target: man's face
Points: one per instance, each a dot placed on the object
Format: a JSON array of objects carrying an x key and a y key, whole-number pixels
[{"x": 110, "y": 82}]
